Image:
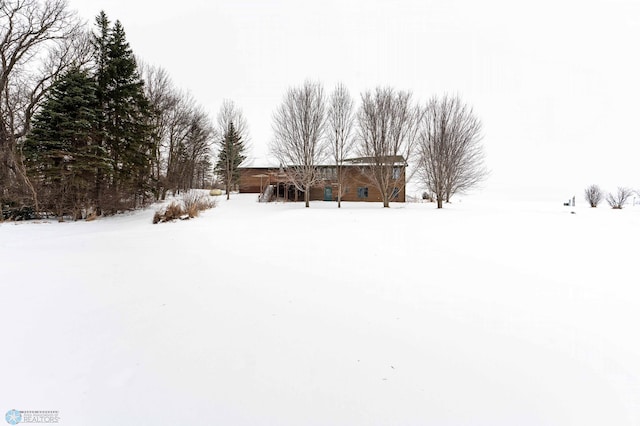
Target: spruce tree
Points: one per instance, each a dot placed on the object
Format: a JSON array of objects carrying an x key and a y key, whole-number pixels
[
  {"x": 61, "y": 152},
  {"x": 125, "y": 110},
  {"x": 100, "y": 41},
  {"x": 230, "y": 157}
]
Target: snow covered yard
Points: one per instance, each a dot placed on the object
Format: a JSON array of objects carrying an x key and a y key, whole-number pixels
[{"x": 254, "y": 314}]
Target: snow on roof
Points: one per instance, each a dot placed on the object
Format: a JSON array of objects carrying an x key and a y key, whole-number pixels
[{"x": 395, "y": 159}]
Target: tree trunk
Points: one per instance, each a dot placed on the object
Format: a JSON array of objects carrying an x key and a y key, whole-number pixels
[
  {"x": 385, "y": 200},
  {"x": 339, "y": 194},
  {"x": 306, "y": 197},
  {"x": 439, "y": 202},
  {"x": 18, "y": 165}
]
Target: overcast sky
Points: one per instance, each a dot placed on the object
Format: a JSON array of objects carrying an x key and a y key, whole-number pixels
[{"x": 555, "y": 83}]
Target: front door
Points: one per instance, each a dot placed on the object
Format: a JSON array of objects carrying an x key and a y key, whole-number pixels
[{"x": 328, "y": 193}]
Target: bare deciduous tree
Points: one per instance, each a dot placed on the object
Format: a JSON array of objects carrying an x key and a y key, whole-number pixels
[
  {"x": 231, "y": 113},
  {"x": 298, "y": 126},
  {"x": 202, "y": 135},
  {"x": 178, "y": 120},
  {"x": 163, "y": 100},
  {"x": 192, "y": 153},
  {"x": 619, "y": 199},
  {"x": 186, "y": 149},
  {"x": 182, "y": 132},
  {"x": 451, "y": 158},
  {"x": 593, "y": 194},
  {"x": 387, "y": 124},
  {"x": 38, "y": 41},
  {"x": 340, "y": 119}
]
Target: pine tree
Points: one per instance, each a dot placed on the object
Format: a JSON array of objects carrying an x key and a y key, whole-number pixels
[
  {"x": 100, "y": 42},
  {"x": 125, "y": 109},
  {"x": 230, "y": 157},
  {"x": 61, "y": 152}
]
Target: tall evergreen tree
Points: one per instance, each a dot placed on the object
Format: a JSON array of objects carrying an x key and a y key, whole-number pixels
[
  {"x": 61, "y": 152},
  {"x": 125, "y": 109},
  {"x": 230, "y": 157},
  {"x": 100, "y": 41}
]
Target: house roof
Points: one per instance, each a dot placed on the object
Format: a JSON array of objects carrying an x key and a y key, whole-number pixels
[
  {"x": 397, "y": 160},
  {"x": 391, "y": 159}
]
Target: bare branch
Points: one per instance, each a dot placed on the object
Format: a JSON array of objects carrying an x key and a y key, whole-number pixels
[
  {"x": 233, "y": 133},
  {"x": 230, "y": 113},
  {"x": 298, "y": 126},
  {"x": 387, "y": 125},
  {"x": 340, "y": 120},
  {"x": 451, "y": 157},
  {"x": 38, "y": 41},
  {"x": 593, "y": 194},
  {"x": 619, "y": 199}
]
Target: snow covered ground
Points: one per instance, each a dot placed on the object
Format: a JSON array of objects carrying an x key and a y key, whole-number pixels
[{"x": 487, "y": 312}]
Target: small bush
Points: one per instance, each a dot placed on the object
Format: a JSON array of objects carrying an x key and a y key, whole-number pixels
[
  {"x": 172, "y": 212},
  {"x": 618, "y": 200},
  {"x": 192, "y": 204},
  {"x": 193, "y": 210},
  {"x": 593, "y": 195},
  {"x": 195, "y": 202},
  {"x": 15, "y": 213},
  {"x": 157, "y": 217}
]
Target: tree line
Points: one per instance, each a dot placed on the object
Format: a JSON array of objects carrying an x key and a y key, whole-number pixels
[
  {"x": 442, "y": 139},
  {"x": 86, "y": 128}
]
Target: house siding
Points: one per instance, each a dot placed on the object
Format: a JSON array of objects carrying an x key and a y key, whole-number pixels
[
  {"x": 354, "y": 178},
  {"x": 250, "y": 181}
]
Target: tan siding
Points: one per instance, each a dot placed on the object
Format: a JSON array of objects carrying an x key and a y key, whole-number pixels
[
  {"x": 354, "y": 179},
  {"x": 249, "y": 183}
]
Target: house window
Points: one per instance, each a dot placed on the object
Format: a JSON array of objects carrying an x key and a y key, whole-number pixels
[
  {"x": 363, "y": 192},
  {"x": 396, "y": 173},
  {"x": 328, "y": 173},
  {"x": 395, "y": 193}
]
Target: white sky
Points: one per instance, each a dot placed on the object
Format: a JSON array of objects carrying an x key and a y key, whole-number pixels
[{"x": 554, "y": 82}]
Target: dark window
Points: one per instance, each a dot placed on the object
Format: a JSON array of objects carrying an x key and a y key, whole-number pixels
[
  {"x": 363, "y": 192},
  {"x": 396, "y": 173},
  {"x": 395, "y": 193},
  {"x": 328, "y": 173}
]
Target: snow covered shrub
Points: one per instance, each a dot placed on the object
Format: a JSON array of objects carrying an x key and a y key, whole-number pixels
[
  {"x": 195, "y": 202},
  {"x": 157, "y": 216},
  {"x": 172, "y": 212},
  {"x": 617, "y": 201},
  {"x": 191, "y": 206},
  {"x": 593, "y": 195}
]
